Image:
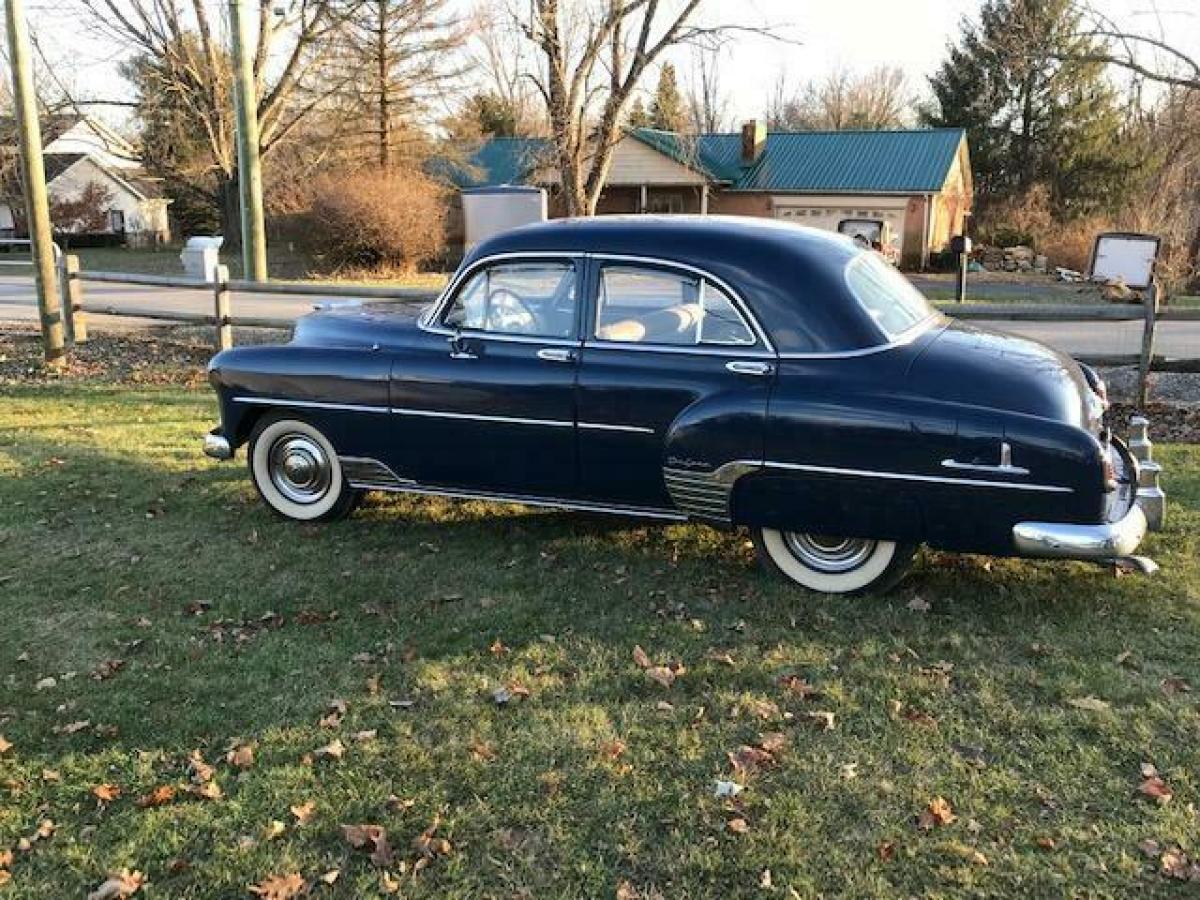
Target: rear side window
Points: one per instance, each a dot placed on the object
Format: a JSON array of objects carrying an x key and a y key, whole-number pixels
[
  {"x": 889, "y": 297},
  {"x": 652, "y": 306}
]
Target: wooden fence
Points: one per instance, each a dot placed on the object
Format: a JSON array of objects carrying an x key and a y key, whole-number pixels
[{"x": 222, "y": 318}]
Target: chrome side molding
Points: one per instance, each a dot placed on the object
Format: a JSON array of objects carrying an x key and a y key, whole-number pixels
[{"x": 1004, "y": 467}]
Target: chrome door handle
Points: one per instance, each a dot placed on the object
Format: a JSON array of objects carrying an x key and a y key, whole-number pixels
[
  {"x": 556, "y": 354},
  {"x": 744, "y": 367}
]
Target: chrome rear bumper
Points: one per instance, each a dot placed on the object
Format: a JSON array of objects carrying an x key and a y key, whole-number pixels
[
  {"x": 1062, "y": 540},
  {"x": 217, "y": 445},
  {"x": 1108, "y": 541}
]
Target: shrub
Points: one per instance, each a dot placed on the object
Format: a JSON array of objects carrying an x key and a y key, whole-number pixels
[{"x": 376, "y": 218}]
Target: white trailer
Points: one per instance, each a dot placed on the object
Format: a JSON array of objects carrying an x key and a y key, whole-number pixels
[{"x": 491, "y": 210}]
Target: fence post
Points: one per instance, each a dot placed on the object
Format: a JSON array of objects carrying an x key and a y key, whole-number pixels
[
  {"x": 222, "y": 307},
  {"x": 72, "y": 299},
  {"x": 1150, "y": 308}
]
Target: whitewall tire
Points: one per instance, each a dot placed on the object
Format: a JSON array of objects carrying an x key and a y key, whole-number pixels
[
  {"x": 296, "y": 471},
  {"x": 833, "y": 565}
]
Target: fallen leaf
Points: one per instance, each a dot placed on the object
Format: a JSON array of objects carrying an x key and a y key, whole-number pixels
[
  {"x": 640, "y": 659},
  {"x": 366, "y": 736},
  {"x": 1156, "y": 789},
  {"x": 1046, "y": 843},
  {"x": 280, "y": 887},
  {"x": 919, "y": 717},
  {"x": 886, "y": 851},
  {"x": 303, "y": 811},
  {"x": 497, "y": 648},
  {"x": 822, "y": 720},
  {"x": 1123, "y": 657},
  {"x": 1092, "y": 704},
  {"x": 160, "y": 796},
  {"x": 430, "y": 846},
  {"x": 241, "y": 756},
  {"x": 765, "y": 881},
  {"x": 937, "y": 812},
  {"x": 794, "y": 684},
  {"x": 330, "y": 877},
  {"x": 5, "y": 745},
  {"x": 108, "y": 669},
  {"x": 371, "y": 838},
  {"x": 613, "y": 749},
  {"x": 749, "y": 759},
  {"x": 335, "y": 749},
  {"x": 73, "y": 727},
  {"x": 389, "y": 883},
  {"x": 917, "y": 604},
  {"x": 336, "y": 710},
  {"x": 199, "y": 769},
  {"x": 661, "y": 674},
  {"x": 1150, "y": 847},
  {"x": 207, "y": 790},
  {"x": 1175, "y": 685},
  {"x": 848, "y": 771},
  {"x": 737, "y": 826},
  {"x": 106, "y": 793},
  {"x": 773, "y": 741},
  {"x": 374, "y": 687},
  {"x": 123, "y": 884},
  {"x": 1174, "y": 863},
  {"x": 45, "y": 684}
]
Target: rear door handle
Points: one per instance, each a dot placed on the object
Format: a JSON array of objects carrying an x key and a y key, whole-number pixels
[
  {"x": 746, "y": 367},
  {"x": 556, "y": 354}
]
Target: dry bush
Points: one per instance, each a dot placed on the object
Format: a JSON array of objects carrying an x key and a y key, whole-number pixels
[
  {"x": 1070, "y": 244},
  {"x": 378, "y": 219},
  {"x": 1017, "y": 220}
]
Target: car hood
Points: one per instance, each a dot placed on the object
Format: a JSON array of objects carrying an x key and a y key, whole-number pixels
[{"x": 980, "y": 367}]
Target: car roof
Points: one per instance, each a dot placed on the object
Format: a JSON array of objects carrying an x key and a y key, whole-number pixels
[{"x": 791, "y": 277}]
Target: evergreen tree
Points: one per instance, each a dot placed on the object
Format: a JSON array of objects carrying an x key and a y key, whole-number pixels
[
  {"x": 1035, "y": 109},
  {"x": 667, "y": 111},
  {"x": 639, "y": 116}
]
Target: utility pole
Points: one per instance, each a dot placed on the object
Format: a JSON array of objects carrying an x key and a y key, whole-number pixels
[
  {"x": 245, "y": 101},
  {"x": 33, "y": 178}
]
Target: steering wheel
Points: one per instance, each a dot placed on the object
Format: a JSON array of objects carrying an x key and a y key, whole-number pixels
[{"x": 509, "y": 313}]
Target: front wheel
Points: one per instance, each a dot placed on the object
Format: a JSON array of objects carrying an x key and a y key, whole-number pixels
[
  {"x": 296, "y": 470},
  {"x": 832, "y": 565}
]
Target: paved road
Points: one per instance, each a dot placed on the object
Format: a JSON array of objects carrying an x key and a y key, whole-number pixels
[{"x": 1175, "y": 339}]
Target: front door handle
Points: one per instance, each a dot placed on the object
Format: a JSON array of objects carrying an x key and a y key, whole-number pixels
[
  {"x": 556, "y": 354},
  {"x": 746, "y": 367}
]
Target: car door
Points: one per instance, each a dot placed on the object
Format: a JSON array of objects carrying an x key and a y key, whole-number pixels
[
  {"x": 489, "y": 404},
  {"x": 674, "y": 374}
]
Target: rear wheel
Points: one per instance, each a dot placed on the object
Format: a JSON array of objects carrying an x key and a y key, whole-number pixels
[
  {"x": 296, "y": 471},
  {"x": 833, "y": 565}
]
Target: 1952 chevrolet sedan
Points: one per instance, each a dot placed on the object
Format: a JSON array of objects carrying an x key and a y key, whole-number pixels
[{"x": 737, "y": 372}]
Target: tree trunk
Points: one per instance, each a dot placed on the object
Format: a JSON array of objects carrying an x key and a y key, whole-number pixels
[
  {"x": 231, "y": 208},
  {"x": 384, "y": 76}
]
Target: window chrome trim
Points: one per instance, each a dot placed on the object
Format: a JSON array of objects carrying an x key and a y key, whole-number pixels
[
  {"x": 310, "y": 404},
  {"x": 737, "y": 468},
  {"x": 430, "y": 319},
  {"x": 902, "y": 340},
  {"x": 761, "y": 343}
]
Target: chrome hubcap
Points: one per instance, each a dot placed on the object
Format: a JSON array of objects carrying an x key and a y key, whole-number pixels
[
  {"x": 300, "y": 469},
  {"x": 829, "y": 554}
]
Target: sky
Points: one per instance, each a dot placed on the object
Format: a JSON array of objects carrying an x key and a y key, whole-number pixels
[{"x": 815, "y": 36}]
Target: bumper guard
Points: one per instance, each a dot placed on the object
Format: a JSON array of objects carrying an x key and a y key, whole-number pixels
[{"x": 217, "y": 445}]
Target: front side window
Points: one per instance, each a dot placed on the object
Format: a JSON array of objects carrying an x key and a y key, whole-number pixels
[
  {"x": 536, "y": 299},
  {"x": 889, "y": 297},
  {"x": 652, "y": 306}
]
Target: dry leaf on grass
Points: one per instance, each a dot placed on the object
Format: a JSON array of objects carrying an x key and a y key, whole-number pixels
[
  {"x": 1175, "y": 685},
  {"x": 737, "y": 825},
  {"x": 937, "y": 812},
  {"x": 280, "y": 887},
  {"x": 373, "y": 839},
  {"x": 822, "y": 720},
  {"x": 106, "y": 793},
  {"x": 160, "y": 796},
  {"x": 1174, "y": 863},
  {"x": 199, "y": 769},
  {"x": 886, "y": 851},
  {"x": 335, "y": 749},
  {"x": 799, "y": 687},
  {"x": 303, "y": 811},
  {"x": 661, "y": 674},
  {"x": 207, "y": 790},
  {"x": 1156, "y": 789},
  {"x": 5, "y": 745},
  {"x": 330, "y": 877},
  {"x": 241, "y": 756},
  {"x": 918, "y": 604},
  {"x": 335, "y": 712},
  {"x": 970, "y": 854},
  {"x": 640, "y": 659},
  {"x": 123, "y": 884}
]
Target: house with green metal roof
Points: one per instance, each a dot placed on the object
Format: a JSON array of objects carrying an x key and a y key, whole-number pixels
[{"x": 918, "y": 181}]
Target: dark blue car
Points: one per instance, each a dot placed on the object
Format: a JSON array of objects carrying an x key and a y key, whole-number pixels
[{"x": 737, "y": 372}]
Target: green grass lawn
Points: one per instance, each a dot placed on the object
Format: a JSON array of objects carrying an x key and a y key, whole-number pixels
[{"x": 150, "y": 607}]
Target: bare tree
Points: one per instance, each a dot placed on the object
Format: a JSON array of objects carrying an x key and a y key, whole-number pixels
[
  {"x": 1148, "y": 56},
  {"x": 708, "y": 105},
  {"x": 842, "y": 100},
  {"x": 592, "y": 56},
  {"x": 180, "y": 61},
  {"x": 502, "y": 59}
]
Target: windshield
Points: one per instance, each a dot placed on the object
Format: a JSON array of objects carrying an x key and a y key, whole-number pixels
[{"x": 888, "y": 296}]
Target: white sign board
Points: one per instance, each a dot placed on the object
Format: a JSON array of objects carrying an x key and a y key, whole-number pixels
[{"x": 1125, "y": 256}]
